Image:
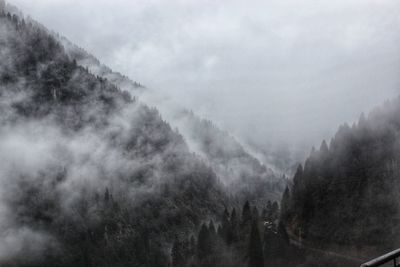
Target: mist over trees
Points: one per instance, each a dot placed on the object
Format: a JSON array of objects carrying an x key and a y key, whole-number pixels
[
  {"x": 95, "y": 177},
  {"x": 113, "y": 179},
  {"x": 92, "y": 176},
  {"x": 347, "y": 193},
  {"x": 236, "y": 168}
]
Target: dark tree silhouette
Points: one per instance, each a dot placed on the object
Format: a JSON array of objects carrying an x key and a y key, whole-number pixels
[
  {"x": 178, "y": 254},
  {"x": 285, "y": 205},
  {"x": 246, "y": 213},
  {"x": 255, "y": 254}
]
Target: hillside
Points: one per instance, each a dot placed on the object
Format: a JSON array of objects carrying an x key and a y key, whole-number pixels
[
  {"x": 90, "y": 176},
  {"x": 90, "y": 62},
  {"x": 347, "y": 193},
  {"x": 245, "y": 177}
]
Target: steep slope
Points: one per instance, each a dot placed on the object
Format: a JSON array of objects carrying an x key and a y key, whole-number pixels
[
  {"x": 89, "y": 176},
  {"x": 347, "y": 193},
  {"x": 87, "y": 60},
  {"x": 244, "y": 175}
]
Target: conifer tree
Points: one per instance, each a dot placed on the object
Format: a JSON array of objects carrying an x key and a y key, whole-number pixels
[
  {"x": 255, "y": 253},
  {"x": 225, "y": 226},
  {"x": 285, "y": 204},
  {"x": 233, "y": 235},
  {"x": 202, "y": 242},
  {"x": 192, "y": 246},
  {"x": 107, "y": 196},
  {"x": 324, "y": 149},
  {"x": 255, "y": 213},
  {"x": 268, "y": 209},
  {"x": 275, "y": 211},
  {"x": 177, "y": 254},
  {"x": 211, "y": 228},
  {"x": 246, "y": 213}
]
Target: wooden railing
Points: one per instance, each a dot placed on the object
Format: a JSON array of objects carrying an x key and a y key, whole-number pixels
[{"x": 387, "y": 258}]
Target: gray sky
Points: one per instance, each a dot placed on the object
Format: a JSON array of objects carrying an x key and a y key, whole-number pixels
[{"x": 270, "y": 71}]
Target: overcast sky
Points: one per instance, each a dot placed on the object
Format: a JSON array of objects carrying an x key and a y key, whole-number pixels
[{"x": 271, "y": 71}]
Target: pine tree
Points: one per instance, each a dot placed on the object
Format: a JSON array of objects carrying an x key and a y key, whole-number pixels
[
  {"x": 233, "y": 235},
  {"x": 298, "y": 188},
  {"x": 276, "y": 244},
  {"x": 107, "y": 196},
  {"x": 255, "y": 213},
  {"x": 225, "y": 226},
  {"x": 285, "y": 204},
  {"x": 275, "y": 211},
  {"x": 192, "y": 246},
  {"x": 202, "y": 242},
  {"x": 255, "y": 253},
  {"x": 268, "y": 209},
  {"x": 283, "y": 233},
  {"x": 324, "y": 150},
  {"x": 211, "y": 228},
  {"x": 264, "y": 214},
  {"x": 220, "y": 233},
  {"x": 177, "y": 254},
  {"x": 246, "y": 213}
]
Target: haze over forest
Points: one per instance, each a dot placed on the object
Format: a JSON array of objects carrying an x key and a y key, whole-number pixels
[
  {"x": 190, "y": 133},
  {"x": 274, "y": 73}
]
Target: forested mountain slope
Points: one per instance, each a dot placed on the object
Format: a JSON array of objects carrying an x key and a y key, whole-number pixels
[
  {"x": 244, "y": 175},
  {"x": 87, "y": 60},
  {"x": 348, "y": 193},
  {"x": 89, "y": 176}
]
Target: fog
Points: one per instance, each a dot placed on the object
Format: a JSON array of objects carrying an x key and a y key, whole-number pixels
[
  {"x": 90, "y": 173},
  {"x": 271, "y": 72}
]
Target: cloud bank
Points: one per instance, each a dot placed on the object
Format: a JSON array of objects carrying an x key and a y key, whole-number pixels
[{"x": 271, "y": 72}]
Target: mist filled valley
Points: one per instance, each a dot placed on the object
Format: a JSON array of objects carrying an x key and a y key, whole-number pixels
[{"x": 221, "y": 156}]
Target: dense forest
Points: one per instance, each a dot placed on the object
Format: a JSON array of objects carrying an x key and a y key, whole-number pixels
[
  {"x": 92, "y": 176},
  {"x": 114, "y": 183},
  {"x": 347, "y": 193},
  {"x": 245, "y": 177},
  {"x": 105, "y": 185}
]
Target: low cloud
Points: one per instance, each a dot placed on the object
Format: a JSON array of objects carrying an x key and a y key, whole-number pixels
[{"x": 272, "y": 72}]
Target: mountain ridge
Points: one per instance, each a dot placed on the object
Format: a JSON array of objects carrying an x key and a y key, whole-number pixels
[
  {"x": 353, "y": 181},
  {"x": 190, "y": 125},
  {"x": 89, "y": 159}
]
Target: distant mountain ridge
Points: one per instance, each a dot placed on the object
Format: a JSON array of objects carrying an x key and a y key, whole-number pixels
[
  {"x": 93, "y": 177},
  {"x": 87, "y": 60},
  {"x": 89, "y": 175},
  {"x": 347, "y": 193},
  {"x": 236, "y": 167}
]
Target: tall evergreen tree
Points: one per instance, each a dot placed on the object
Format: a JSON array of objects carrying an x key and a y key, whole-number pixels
[
  {"x": 225, "y": 226},
  {"x": 211, "y": 229},
  {"x": 285, "y": 204},
  {"x": 177, "y": 254},
  {"x": 192, "y": 246},
  {"x": 324, "y": 150},
  {"x": 202, "y": 242},
  {"x": 275, "y": 211},
  {"x": 233, "y": 235},
  {"x": 268, "y": 210},
  {"x": 107, "y": 196},
  {"x": 246, "y": 213},
  {"x": 255, "y": 213},
  {"x": 255, "y": 253}
]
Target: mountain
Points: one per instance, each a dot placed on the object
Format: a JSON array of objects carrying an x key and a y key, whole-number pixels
[
  {"x": 89, "y": 176},
  {"x": 242, "y": 173},
  {"x": 347, "y": 193},
  {"x": 90, "y": 62},
  {"x": 244, "y": 176}
]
